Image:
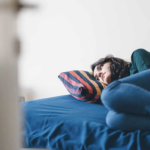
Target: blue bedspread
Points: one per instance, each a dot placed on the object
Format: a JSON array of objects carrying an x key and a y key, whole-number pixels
[{"x": 64, "y": 123}]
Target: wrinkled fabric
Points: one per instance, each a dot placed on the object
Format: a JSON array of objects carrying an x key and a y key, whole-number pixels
[
  {"x": 129, "y": 103},
  {"x": 64, "y": 123}
]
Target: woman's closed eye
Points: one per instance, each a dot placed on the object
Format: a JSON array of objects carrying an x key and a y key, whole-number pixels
[{"x": 99, "y": 67}]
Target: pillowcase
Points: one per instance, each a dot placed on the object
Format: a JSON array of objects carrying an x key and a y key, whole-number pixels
[{"x": 82, "y": 85}]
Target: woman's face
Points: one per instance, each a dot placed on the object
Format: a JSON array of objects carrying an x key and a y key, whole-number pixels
[{"x": 102, "y": 73}]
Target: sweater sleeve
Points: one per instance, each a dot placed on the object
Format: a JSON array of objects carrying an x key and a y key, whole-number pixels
[{"x": 140, "y": 60}]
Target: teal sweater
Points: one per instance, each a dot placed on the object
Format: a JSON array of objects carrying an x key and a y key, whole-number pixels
[{"x": 140, "y": 60}]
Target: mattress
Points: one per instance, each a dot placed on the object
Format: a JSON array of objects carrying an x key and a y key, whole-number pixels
[{"x": 65, "y": 123}]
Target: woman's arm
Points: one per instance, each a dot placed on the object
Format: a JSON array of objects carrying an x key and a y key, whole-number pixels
[{"x": 140, "y": 59}]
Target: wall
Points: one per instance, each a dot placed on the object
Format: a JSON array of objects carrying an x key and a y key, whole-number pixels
[{"x": 72, "y": 34}]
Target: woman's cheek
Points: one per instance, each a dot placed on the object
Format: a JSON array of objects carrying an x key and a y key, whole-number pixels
[{"x": 108, "y": 78}]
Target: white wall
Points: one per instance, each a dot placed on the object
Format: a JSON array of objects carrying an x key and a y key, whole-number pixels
[{"x": 66, "y": 35}]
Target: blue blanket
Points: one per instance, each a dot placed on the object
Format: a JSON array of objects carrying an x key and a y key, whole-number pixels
[{"x": 64, "y": 123}]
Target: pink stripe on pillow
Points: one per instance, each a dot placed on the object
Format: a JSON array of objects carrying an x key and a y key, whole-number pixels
[
  {"x": 73, "y": 91},
  {"x": 86, "y": 96},
  {"x": 70, "y": 80},
  {"x": 80, "y": 98}
]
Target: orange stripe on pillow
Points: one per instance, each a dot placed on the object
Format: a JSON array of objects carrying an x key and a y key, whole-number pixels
[
  {"x": 104, "y": 85},
  {"x": 91, "y": 73},
  {"x": 81, "y": 80},
  {"x": 70, "y": 80},
  {"x": 93, "y": 82}
]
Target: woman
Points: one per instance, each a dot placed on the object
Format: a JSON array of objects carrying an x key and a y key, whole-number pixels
[
  {"x": 127, "y": 95},
  {"x": 110, "y": 68}
]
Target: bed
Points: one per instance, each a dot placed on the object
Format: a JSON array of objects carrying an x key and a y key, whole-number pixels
[{"x": 65, "y": 123}]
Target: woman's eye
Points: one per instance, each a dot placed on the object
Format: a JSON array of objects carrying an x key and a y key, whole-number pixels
[{"x": 99, "y": 67}]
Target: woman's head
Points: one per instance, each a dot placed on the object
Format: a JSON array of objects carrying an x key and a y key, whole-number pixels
[{"x": 110, "y": 68}]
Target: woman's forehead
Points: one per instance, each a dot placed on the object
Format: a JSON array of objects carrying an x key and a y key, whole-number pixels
[
  {"x": 102, "y": 64},
  {"x": 108, "y": 63}
]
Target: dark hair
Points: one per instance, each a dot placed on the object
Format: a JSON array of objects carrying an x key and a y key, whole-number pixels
[{"x": 119, "y": 68}]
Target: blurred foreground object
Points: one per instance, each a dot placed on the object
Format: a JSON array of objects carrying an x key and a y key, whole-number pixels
[{"x": 9, "y": 110}]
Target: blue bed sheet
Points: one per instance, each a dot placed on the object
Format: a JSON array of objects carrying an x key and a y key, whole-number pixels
[{"x": 64, "y": 123}]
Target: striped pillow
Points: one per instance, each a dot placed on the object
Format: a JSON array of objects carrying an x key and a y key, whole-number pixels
[{"x": 82, "y": 85}]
